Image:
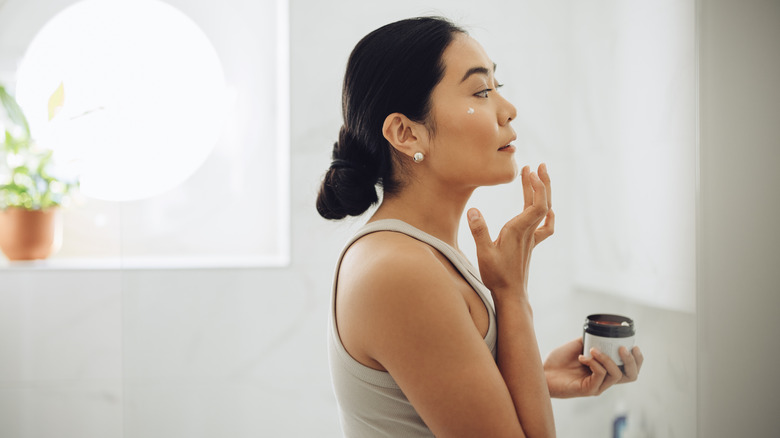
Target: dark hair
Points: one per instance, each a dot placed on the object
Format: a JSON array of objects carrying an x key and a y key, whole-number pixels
[{"x": 392, "y": 69}]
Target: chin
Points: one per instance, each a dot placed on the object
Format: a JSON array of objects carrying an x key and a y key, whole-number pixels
[
  {"x": 511, "y": 175},
  {"x": 503, "y": 178}
]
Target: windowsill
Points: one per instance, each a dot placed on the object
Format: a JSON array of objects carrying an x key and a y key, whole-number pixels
[{"x": 151, "y": 263}]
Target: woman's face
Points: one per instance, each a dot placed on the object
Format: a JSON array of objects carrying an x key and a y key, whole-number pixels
[{"x": 471, "y": 144}]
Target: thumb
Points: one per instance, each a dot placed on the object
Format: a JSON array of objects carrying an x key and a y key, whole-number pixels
[{"x": 479, "y": 229}]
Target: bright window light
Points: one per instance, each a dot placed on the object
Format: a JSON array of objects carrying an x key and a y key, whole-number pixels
[{"x": 143, "y": 95}]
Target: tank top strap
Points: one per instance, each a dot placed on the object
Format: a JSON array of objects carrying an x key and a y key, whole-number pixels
[{"x": 404, "y": 228}]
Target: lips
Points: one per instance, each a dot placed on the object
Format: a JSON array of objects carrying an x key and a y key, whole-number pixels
[{"x": 508, "y": 146}]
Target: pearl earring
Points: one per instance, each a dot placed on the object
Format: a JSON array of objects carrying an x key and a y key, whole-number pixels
[{"x": 418, "y": 157}]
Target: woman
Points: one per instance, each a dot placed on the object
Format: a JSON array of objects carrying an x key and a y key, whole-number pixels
[{"x": 416, "y": 347}]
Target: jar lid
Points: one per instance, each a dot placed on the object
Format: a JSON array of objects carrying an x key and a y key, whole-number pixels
[{"x": 609, "y": 326}]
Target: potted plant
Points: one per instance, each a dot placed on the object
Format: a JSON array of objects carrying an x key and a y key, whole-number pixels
[{"x": 30, "y": 193}]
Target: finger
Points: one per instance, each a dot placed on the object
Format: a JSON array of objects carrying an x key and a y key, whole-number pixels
[
  {"x": 630, "y": 369},
  {"x": 613, "y": 372},
  {"x": 540, "y": 196},
  {"x": 535, "y": 204},
  {"x": 547, "y": 229},
  {"x": 545, "y": 177},
  {"x": 638, "y": 357},
  {"x": 528, "y": 191},
  {"x": 592, "y": 384},
  {"x": 479, "y": 230}
]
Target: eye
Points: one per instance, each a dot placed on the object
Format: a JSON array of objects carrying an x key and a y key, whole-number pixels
[{"x": 484, "y": 93}]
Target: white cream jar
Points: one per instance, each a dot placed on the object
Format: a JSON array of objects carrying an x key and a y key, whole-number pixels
[{"x": 608, "y": 333}]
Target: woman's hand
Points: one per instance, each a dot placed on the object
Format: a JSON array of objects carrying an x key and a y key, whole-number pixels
[
  {"x": 570, "y": 374},
  {"x": 503, "y": 263}
]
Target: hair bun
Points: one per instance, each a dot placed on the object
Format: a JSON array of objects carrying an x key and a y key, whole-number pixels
[{"x": 348, "y": 188}]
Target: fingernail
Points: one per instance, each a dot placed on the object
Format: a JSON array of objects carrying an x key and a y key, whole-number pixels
[{"x": 473, "y": 214}]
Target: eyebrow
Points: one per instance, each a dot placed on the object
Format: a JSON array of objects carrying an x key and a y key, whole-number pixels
[{"x": 478, "y": 71}]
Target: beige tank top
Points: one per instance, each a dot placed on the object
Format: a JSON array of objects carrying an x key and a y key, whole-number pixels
[{"x": 370, "y": 402}]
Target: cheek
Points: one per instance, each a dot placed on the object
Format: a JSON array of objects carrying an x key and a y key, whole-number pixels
[
  {"x": 465, "y": 140},
  {"x": 471, "y": 128}
]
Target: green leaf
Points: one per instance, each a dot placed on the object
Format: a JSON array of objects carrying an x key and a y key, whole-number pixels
[
  {"x": 7, "y": 140},
  {"x": 14, "y": 188},
  {"x": 14, "y": 111},
  {"x": 14, "y": 144},
  {"x": 22, "y": 170},
  {"x": 45, "y": 159}
]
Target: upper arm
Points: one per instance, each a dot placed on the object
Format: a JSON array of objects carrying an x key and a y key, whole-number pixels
[{"x": 415, "y": 324}]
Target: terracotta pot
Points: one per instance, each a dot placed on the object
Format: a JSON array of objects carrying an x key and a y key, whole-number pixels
[{"x": 30, "y": 234}]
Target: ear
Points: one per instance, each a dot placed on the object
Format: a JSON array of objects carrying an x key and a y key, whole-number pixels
[{"x": 406, "y": 136}]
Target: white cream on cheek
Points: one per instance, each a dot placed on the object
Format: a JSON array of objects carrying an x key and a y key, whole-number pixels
[{"x": 470, "y": 111}]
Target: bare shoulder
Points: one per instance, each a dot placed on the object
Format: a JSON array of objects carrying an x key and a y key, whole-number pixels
[
  {"x": 387, "y": 258},
  {"x": 389, "y": 280},
  {"x": 388, "y": 268}
]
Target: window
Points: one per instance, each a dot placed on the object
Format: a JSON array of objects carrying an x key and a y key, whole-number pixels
[{"x": 175, "y": 114}]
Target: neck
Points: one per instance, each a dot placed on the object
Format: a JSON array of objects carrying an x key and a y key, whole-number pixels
[{"x": 434, "y": 210}]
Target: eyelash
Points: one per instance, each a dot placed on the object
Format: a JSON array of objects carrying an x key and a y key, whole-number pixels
[{"x": 487, "y": 90}]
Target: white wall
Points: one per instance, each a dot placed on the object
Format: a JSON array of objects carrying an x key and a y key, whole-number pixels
[
  {"x": 739, "y": 205},
  {"x": 241, "y": 352}
]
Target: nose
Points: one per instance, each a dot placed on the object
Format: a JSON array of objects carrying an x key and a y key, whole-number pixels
[{"x": 507, "y": 112}]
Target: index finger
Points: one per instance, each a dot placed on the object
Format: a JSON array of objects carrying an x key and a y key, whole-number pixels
[{"x": 541, "y": 200}]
